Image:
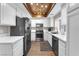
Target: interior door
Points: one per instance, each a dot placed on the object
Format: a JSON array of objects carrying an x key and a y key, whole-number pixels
[{"x": 73, "y": 33}]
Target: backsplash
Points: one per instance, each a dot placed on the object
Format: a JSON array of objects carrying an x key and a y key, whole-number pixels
[{"x": 4, "y": 30}]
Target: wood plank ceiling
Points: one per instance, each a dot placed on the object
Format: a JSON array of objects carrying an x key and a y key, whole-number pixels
[{"x": 39, "y": 9}]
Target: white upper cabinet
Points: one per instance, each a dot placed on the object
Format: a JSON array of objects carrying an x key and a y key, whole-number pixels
[
  {"x": 64, "y": 14},
  {"x": 8, "y": 15},
  {"x": 51, "y": 22}
]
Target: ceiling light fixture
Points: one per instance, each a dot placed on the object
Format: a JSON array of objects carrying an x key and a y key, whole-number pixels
[
  {"x": 45, "y": 6},
  {"x": 31, "y": 3},
  {"x": 42, "y": 6}
]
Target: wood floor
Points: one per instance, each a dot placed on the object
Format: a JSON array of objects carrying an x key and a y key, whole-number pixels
[{"x": 36, "y": 50}]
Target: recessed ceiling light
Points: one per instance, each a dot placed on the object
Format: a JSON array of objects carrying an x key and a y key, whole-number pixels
[
  {"x": 42, "y": 6},
  {"x": 39, "y": 16},
  {"x": 45, "y": 6},
  {"x": 31, "y": 3}
]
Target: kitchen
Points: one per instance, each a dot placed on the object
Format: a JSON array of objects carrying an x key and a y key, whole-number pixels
[{"x": 19, "y": 29}]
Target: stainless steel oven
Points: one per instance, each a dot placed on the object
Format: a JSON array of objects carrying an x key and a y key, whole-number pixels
[{"x": 39, "y": 32}]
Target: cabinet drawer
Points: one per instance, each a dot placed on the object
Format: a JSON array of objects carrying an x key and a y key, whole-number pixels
[
  {"x": 5, "y": 48},
  {"x": 18, "y": 44},
  {"x": 62, "y": 51},
  {"x": 61, "y": 43},
  {"x": 18, "y": 51},
  {"x": 18, "y": 48}
]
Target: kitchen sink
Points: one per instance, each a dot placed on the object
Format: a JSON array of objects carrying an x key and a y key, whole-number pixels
[{"x": 54, "y": 32}]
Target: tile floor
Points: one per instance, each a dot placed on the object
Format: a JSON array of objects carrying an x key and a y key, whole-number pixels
[{"x": 35, "y": 50}]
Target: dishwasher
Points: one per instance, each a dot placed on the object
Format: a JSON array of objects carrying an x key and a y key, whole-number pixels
[{"x": 55, "y": 45}]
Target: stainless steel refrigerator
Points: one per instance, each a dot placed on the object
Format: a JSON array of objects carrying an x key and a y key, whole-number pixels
[{"x": 22, "y": 28}]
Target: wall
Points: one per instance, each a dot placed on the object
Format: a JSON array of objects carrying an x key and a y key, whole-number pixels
[
  {"x": 34, "y": 21},
  {"x": 72, "y": 4},
  {"x": 56, "y": 9},
  {"x": 4, "y": 30},
  {"x": 45, "y": 22}
]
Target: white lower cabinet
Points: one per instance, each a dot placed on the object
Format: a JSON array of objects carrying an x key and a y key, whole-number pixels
[
  {"x": 33, "y": 36},
  {"x": 62, "y": 49},
  {"x": 5, "y": 49},
  {"x": 50, "y": 39},
  {"x": 18, "y": 48},
  {"x": 12, "y": 49},
  {"x": 45, "y": 35}
]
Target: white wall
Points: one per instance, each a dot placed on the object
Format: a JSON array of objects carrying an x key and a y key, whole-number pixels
[
  {"x": 56, "y": 9},
  {"x": 72, "y": 4},
  {"x": 45, "y": 22},
  {"x": 34, "y": 21},
  {"x": 4, "y": 30}
]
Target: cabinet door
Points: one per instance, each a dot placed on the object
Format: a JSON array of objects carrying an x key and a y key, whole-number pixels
[
  {"x": 1, "y": 12},
  {"x": 73, "y": 32},
  {"x": 12, "y": 17},
  {"x": 61, "y": 48},
  {"x": 18, "y": 48},
  {"x": 50, "y": 39},
  {"x": 45, "y": 35},
  {"x": 8, "y": 15},
  {"x": 5, "y": 50},
  {"x": 33, "y": 36}
]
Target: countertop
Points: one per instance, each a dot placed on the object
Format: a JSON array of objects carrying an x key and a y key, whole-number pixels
[
  {"x": 10, "y": 39},
  {"x": 35, "y": 30},
  {"x": 61, "y": 37}
]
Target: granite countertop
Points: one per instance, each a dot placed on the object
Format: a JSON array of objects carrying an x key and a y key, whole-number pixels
[{"x": 10, "y": 39}]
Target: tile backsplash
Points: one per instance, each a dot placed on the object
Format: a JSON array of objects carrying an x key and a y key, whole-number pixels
[{"x": 4, "y": 30}]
